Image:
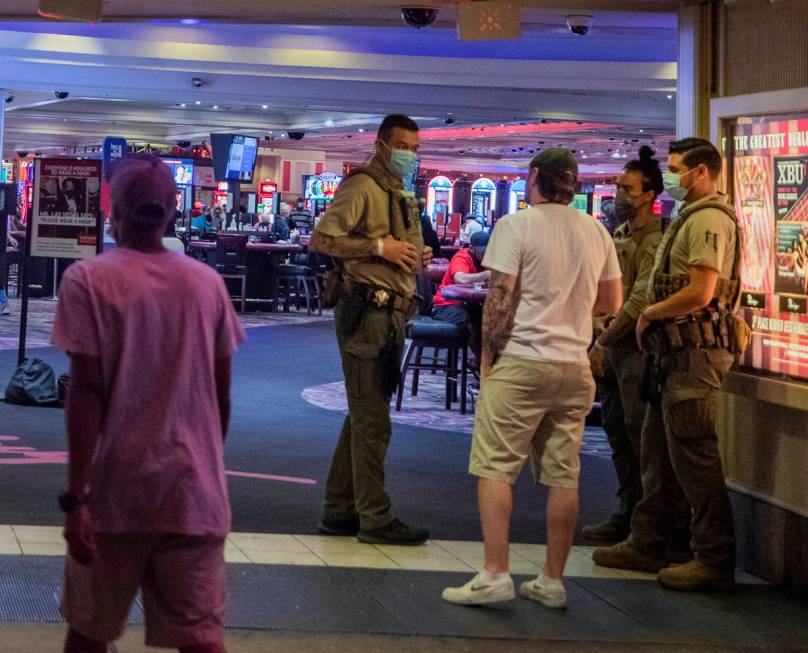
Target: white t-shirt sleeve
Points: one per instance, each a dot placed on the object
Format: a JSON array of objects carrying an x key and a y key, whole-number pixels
[
  {"x": 611, "y": 266},
  {"x": 503, "y": 253}
]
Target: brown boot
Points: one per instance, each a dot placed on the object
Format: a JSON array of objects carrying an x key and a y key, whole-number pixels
[
  {"x": 625, "y": 556},
  {"x": 695, "y": 576}
]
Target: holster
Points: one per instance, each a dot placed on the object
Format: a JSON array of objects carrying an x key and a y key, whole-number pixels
[
  {"x": 390, "y": 361},
  {"x": 353, "y": 311},
  {"x": 655, "y": 373},
  {"x": 333, "y": 288}
]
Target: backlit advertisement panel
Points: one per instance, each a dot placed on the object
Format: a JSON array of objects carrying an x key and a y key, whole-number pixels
[{"x": 769, "y": 168}]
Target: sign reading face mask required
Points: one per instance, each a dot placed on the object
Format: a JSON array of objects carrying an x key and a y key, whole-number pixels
[
  {"x": 67, "y": 208},
  {"x": 770, "y": 172}
]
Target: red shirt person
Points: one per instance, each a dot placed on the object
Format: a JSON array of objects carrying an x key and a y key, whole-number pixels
[
  {"x": 464, "y": 268},
  {"x": 147, "y": 506}
]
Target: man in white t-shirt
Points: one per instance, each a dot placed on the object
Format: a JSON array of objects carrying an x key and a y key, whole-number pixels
[
  {"x": 471, "y": 226},
  {"x": 551, "y": 266}
]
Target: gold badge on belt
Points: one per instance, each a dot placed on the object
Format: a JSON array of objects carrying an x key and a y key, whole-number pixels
[{"x": 381, "y": 298}]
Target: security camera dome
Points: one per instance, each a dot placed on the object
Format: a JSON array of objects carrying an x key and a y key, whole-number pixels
[
  {"x": 419, "y": 17},
  {"x": 579, "y": 25},
  {"x": 296, "y": 136}
]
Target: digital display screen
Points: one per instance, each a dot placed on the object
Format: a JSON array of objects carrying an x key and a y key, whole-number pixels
[
  {"x": 234, "y": 157},
  {"x": 768, "y": 166},
  {"x": 182, "y": 170},
  {"x": 580, "y": 202},
  {"x": 241, "y": 161},
  {"x": 321, "y": 187}
]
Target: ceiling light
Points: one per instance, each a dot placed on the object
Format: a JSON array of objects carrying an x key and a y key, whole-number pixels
[
  {"x": 329, "y": 123},
  {"x": 183, "y": 105},
  {"x": 265, "y": 106},
  {"x": 198, "y": 102},
  {"x": 360, "y": 130},
  {"x": 670, "y": 97},
  {"x": 215, "y": 106}
]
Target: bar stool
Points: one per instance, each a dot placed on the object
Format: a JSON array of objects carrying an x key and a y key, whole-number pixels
[
  {"x": 296, "y": 282},
  {"x": 231, "y": 262}
]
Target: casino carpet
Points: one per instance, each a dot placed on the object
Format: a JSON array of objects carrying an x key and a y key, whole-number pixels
[{"x": 280, "y": 446}]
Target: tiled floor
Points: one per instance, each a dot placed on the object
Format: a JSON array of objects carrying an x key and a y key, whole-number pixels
[{"x": 319, "y": 551}]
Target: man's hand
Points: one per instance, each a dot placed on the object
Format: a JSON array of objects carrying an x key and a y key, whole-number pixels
[
  {"x": 402, "y": 253},
  {"x": 642, "y": 326},
  {"x": 13, "y": 241},
  {"x": 597, "y": 355},
  {"x": 426, "y": 256},
  {"x": 80, "y": 537}
]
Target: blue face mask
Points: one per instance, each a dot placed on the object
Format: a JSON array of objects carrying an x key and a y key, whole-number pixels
[
  {"x": 404, "y": 163},
  {"x": 672, "y": 180}
]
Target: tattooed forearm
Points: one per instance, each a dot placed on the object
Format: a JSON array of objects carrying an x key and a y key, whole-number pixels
[
  {"x": 342, "y": 246},
  {"x": 498, "y": 315}
]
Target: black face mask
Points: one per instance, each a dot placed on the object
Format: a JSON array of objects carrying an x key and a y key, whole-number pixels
[{"x": 623, "y": 207}]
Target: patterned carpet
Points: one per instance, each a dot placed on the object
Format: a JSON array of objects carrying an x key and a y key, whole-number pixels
[
  {"x": 41, "y": 311},
  {"x": 427, "y": 411}
]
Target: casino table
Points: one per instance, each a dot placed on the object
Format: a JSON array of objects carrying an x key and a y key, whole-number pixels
[
  {"x": 464, "y": 292},
  {"x": 263, "y": 260}
]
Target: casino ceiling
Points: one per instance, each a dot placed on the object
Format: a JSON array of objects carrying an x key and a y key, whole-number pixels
[{"x": 332, "y": 69}]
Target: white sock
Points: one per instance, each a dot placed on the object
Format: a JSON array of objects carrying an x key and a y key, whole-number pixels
[
  {"x": 545, "y": 581},
  {"x": 488, "y": 577}
]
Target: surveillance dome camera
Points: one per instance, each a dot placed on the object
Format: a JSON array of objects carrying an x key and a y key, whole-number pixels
[
  {"x": 61, "y": 95},
  {"x": 22, "y": 154},
  {"x": 449, "y": 120},
  {"x": 296, "y": 136},
  {"x": 419, "y": 17},
  {"x": 9, "y": 99},
  {"x": 197, "y": 82},
  {"x": 184, "y": 144},
  {"x": 579, "y": 24}
]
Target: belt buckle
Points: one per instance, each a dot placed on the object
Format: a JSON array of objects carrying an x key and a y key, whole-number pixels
[{"x": 381, "y": 298}]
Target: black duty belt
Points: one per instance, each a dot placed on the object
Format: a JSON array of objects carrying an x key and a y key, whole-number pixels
[{"x": 383, "y": 298}]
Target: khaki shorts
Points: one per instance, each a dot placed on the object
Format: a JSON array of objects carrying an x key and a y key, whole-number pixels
[
  {"x": 183, "y": 583},
  {"x": 533, "y": 409}
]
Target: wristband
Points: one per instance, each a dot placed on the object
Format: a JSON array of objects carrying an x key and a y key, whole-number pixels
[{"x": 380, "y": 247}]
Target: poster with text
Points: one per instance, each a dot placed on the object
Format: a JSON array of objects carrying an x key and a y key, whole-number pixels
[
  {"x": 770, "y": 188},
  {"x": 67, "y": 204}
]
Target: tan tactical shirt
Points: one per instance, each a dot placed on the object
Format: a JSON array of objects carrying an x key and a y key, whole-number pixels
[
  {"x": 706, "y": 240},
  {"x": 636, "y": 249},
  {"x": 361, "y": 209}
]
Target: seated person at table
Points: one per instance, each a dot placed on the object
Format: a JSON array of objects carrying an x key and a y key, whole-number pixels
[
  {"x": 264, "y": 221},
  {"x": 280, "y": 224},
  {"x": 203, "y": 223},
  {"x": 471, "y": 226},
  {"x": 465, "y": 267}
]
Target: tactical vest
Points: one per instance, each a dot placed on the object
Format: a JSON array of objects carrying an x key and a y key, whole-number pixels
[
  {"x": 716, "y": 326},
  {"x": 406, "y": 208}
]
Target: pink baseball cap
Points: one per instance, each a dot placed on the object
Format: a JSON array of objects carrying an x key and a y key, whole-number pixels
[{"x": 142, "y": 190}]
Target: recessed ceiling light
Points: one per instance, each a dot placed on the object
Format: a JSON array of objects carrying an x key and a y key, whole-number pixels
[
  {"x": 270, "y": 132},
  {"x": 215, "y": 106},
  {"x": 265, "y": 106},
  {"x": 329, "y": 123},
  {"x": 360, "y": 130},
  {"x": 183, "y": 105},
  {"x": 670, "y": 97},
  {"x": 198, "y": 102}
]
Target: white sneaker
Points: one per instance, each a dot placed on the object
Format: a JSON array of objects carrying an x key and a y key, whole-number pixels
[
  {"x": 478, "y": 592},
  {"x": 4, "y": 309},
  {"x": 550, "y": 597}
]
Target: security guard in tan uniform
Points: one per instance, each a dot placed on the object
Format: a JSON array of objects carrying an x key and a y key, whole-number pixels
[
  {"x": 373, "y": 230},
  {"x": 691, "y": 334},
  {"x": 616, "y": 360}
]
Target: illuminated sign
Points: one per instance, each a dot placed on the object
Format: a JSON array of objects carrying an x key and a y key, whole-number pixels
[{"x": 769, "y": 168}]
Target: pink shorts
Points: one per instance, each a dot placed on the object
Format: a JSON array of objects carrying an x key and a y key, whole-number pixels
[{"x": 183, "y": 583}]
